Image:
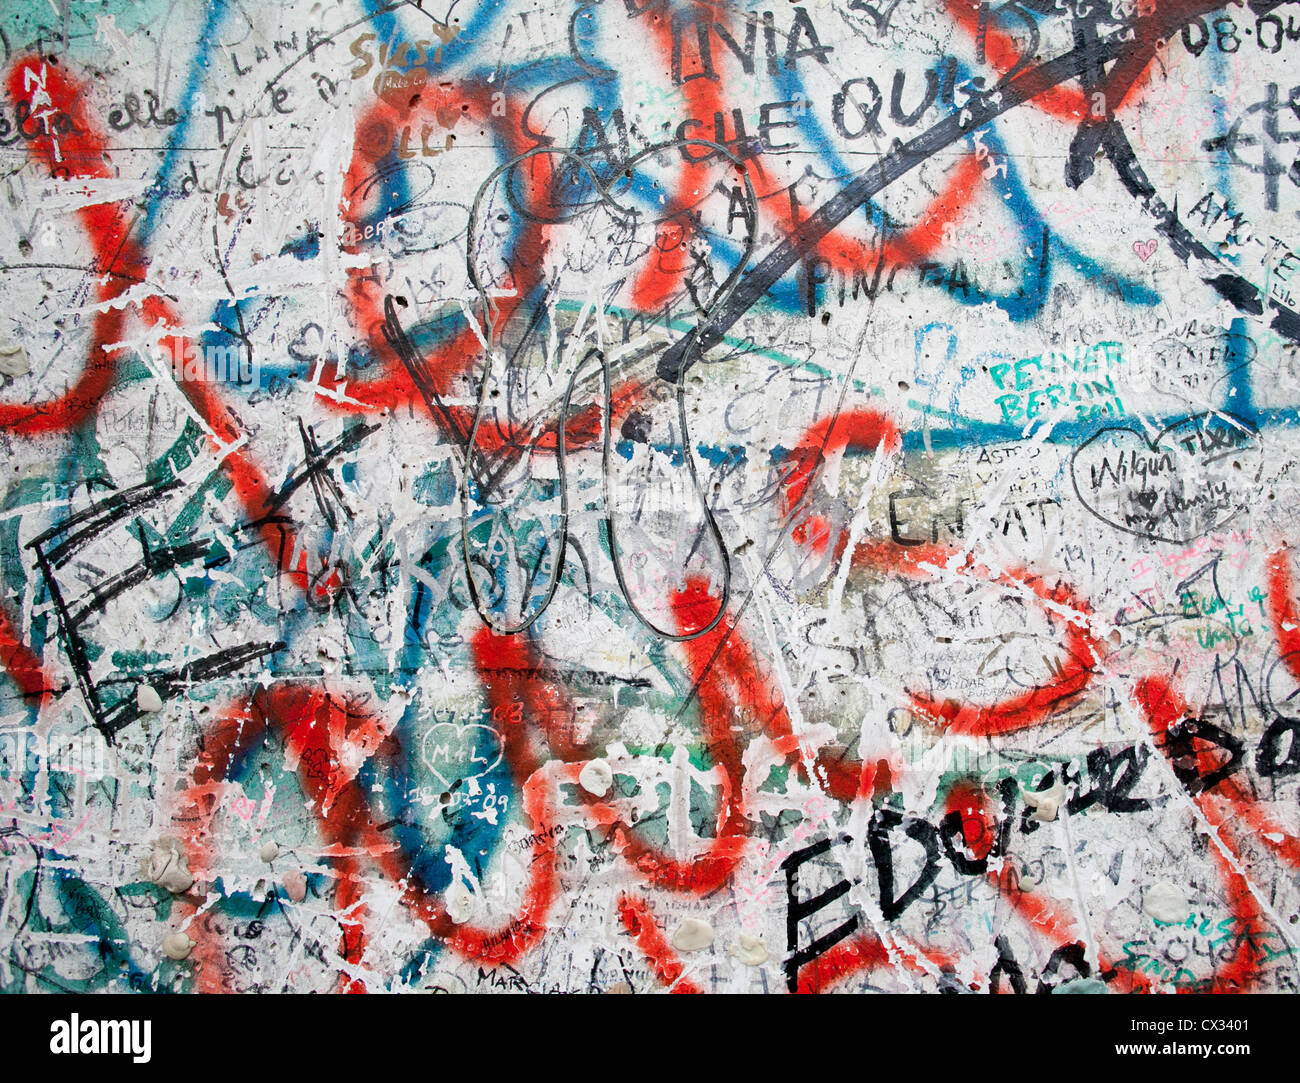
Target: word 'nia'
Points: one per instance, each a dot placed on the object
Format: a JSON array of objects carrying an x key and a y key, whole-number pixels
[{"x": 77, "y": 1035}]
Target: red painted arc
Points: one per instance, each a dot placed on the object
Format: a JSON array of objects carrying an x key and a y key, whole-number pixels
[
  {"x": 343, "y": 807},
  {"x": 78, "y": 153},
  {"x": 313, "y": 728},
  {"x": 81, "y": 153},
  {"x": 23, "y": 667},
  {"x": 1162, "y": 707},
  {"x": 867, "y": 430},
  {"x": 659, "y": 281}
]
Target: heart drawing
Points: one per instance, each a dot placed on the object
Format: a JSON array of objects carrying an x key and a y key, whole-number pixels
[
  {"x": 452, "y": 751},
  {"x": 1145, "y": 249},
  {"x": 1192, "y": 479}
]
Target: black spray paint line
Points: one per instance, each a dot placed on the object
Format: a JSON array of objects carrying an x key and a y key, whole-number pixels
[
  {"x": 94, "y": 520},
  {"x": 983, "y": 107},
  {"x": 317, "y": 464},
  {"x": 169, "y": 683},
  {"x": 154, "y": 563},
  {"x": 91, "y": 523},
  {"x": 605, "y": 198}
]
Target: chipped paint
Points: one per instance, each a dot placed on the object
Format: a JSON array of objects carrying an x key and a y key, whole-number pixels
[{"x": 642, "y": 496}]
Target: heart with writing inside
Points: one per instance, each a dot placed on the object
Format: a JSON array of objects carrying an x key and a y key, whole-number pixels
[
  {"x": 1145, "y": 249},
  {"x": 452, "y": 751},
  {"x": 1194, "y": 477}
]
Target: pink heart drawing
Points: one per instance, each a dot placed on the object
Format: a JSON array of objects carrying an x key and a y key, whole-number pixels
[{"x": 1145, "y": 249}]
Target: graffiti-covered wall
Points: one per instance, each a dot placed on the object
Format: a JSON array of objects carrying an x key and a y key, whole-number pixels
[{"x": 630, "y": 495}]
